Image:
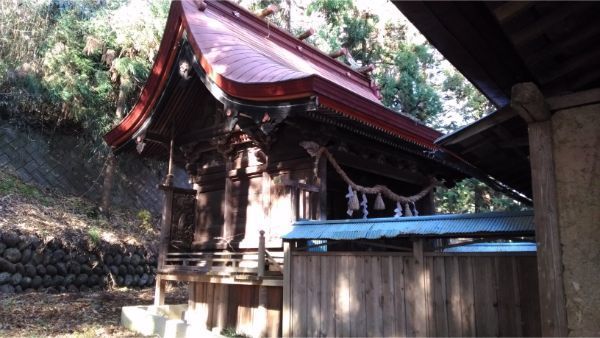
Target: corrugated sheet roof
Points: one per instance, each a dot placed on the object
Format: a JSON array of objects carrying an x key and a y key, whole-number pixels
[
  {"x": 494, "y": 247},
  {"x": 438, "y": 225}
]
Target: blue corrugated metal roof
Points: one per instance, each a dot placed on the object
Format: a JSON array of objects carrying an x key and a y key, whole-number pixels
[
  {"x": 494, "y": 247},
  {"x": 437, "y": 225}
]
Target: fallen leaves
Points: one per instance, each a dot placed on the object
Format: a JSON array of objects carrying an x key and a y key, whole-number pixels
[{"x": 93, "y": 314}]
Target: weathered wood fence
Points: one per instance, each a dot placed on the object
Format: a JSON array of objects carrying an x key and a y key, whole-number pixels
[
  {"x": 239, "y": 307},
  {"x": 398, "y": 294}
]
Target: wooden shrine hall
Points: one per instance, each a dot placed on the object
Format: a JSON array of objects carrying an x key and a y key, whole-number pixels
[{"x": 272, "y": 131}]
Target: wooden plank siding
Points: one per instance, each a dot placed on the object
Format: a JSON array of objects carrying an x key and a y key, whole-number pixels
[
  {"x": 225, "y": 306},
  {"x": 397, "y": 294}
]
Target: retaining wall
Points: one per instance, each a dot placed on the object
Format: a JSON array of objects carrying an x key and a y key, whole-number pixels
[
  {"x": 29, "y": 264},
  {"x": 72, "y": 165}
]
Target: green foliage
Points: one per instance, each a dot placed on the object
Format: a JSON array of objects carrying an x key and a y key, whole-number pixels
[
  {"x": 80, "y": 56},
  {"x": 94, "y": 235},
  {"x": 145, "y": 218},
  {"x": 11, "y": 185},
  {"x": 402, "y": 68},
  {"x": 470, "y": 195}
]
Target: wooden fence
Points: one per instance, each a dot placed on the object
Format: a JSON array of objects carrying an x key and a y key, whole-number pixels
[
  {"x": 398, "y": 294},
  {"x": 241, "y": 308}
]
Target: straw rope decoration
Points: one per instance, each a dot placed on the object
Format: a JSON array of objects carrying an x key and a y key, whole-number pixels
[{"x": 316, "y": 151}]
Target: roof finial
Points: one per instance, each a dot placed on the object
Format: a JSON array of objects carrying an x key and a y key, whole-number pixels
[
  {"x": 200, "y": 4},
  {"x": 268, "y": 11},
  {"x": 306, "y": 34},
  {"x": 338, "y": 53}
]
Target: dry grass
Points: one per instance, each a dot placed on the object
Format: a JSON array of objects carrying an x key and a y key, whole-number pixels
[
  {"x": 74, "y": 220},
  {"x": 77, "y": 223},
  {"x": 92, "y": 314}
]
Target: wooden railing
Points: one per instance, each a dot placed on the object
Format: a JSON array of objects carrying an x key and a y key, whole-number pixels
[{"x": 246, "y": 264}]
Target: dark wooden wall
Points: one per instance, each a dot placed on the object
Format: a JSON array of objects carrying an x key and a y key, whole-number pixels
[
  {"x": 394, "y": 294},
  {"x": 235, "y": 307}
]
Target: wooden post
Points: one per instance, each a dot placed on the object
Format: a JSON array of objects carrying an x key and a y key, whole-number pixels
[
  {"x": 322, "y": 188},
  {"x": 418, "y": 314},
  {"x": 286, "y": 327},
  {"x": 261, "y": 254},
  {"x": 261, "y": 329},
  {"x": 529, "y": 102},
  {"x": 165, "y": 226},
  {"x": 159, "y": 291}
]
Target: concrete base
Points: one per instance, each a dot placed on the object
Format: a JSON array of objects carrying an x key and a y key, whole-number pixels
[{"x": 165, "y": 321}]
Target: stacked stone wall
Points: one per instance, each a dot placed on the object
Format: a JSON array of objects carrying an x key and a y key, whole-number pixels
[{"x": 29, "y": 264}]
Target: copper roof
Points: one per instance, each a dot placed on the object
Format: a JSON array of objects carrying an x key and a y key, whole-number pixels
[{"x": 250, "y": 59}]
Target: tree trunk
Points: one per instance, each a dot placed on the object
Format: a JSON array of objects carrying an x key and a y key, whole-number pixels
[
  {"x": 107, "y": 185},
  {"x": 111, "y": 161}
]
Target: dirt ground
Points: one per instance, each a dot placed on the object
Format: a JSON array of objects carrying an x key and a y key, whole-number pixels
[{"x": 92, "y": 314}]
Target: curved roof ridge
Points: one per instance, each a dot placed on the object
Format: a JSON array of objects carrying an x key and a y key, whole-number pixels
[{"x": 282, "y": 68}]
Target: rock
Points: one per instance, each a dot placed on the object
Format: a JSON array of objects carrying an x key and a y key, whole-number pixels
[
  {"x": 51, "y": 270},
  {"x": 82, "y": 258},
  {"x": 108, "y": 259},
  {"x": 85, "y": 268},
  {"x": 36, "y": 282},
  {"x": 16, "y": 278},
  {"x": 19, "y": 268},
  {"x": 81, "y": 279},
  {"x": 41, "y": 269},
  {"x": 128, "y": 280},
  {"x": 7, "y": 288},
  {"x": 136, "y": 259},
  {"x": 47, "y": 257},
  {"x": 74, "y": 267},
  {"x": 61, "y": 268},
  {"x": 29, "y": 270},
  {"x": 57, "y": 256},
  {"x": 58, "y": 280},
  {"x": 5, "y": 277},
  {"x": 2, "y": 248},
  {"x": 70, "y": 279},
  {"x": 12, "y": 255},
  {"x": 93, "y": 280},
  {"x": 36, "y": 258},
  {"x": 118, "y": 259},
  {"x": 23, "y": 243},
  {"x": 143, "y": 280},
  {"x": 10, "y": 238},
  {"x": 35, "y": 242},
  {"x": 47, "y": 280},
  {"x": 26, "y": 256},
  {"x": 26, "y": 282}
]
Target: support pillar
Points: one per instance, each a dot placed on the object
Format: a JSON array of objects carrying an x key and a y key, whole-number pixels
[
  {"x": 159, "y": 291},
  {"x": 529, "y": 102}
]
